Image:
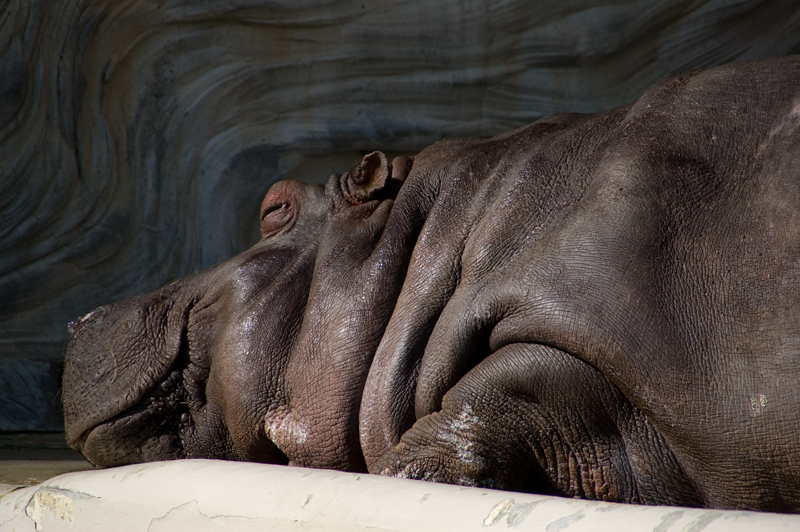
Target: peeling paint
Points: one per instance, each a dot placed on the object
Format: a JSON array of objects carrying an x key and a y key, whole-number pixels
[
  {"x": 53, "y": 504},
  {"x": 308, "y": 500},
  {"x": 668, "y": 520},
  {"x": 56, "y": 504},
  {"x": 496, "y": 514},
  {"x": 701, "y": 522},
  {"x": 195, "y": 495},
  {"x": 513, "y": 512},
  {"x": 565, "y": 522},
  {"x": 519, "y": 512}
]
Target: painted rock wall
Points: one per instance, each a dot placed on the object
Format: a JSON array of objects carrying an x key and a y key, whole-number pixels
[{"x": 137, "y": 138}]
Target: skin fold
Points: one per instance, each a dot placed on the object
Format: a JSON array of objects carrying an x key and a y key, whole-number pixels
[{"x": 602, "y": 306}]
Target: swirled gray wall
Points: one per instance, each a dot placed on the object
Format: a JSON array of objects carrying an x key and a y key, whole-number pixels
[{"x": 138, "y": 137}]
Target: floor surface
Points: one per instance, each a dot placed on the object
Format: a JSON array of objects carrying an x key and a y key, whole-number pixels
[{"x": 33, "y": 457}]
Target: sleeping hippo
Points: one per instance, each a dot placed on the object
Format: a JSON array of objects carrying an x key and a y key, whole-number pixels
[{"x": 603, "y": 306}]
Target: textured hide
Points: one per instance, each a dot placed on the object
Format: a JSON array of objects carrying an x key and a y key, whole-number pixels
[{"x": 137, "y": 138}]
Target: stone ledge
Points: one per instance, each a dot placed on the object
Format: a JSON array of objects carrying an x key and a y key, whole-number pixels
[{"x": 209, "y": 495}]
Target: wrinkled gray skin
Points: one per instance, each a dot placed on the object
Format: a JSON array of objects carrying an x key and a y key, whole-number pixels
[{"x": 602, "y": 306}]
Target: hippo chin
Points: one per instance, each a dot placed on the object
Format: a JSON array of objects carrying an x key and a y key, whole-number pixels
[{"x": 602, "y": 306}]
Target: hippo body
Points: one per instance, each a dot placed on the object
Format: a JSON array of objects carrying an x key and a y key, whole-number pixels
[{"x": 602, "y": 306}]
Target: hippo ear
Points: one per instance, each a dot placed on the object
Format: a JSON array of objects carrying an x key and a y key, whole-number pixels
[
  {"x": 368, "y": 179},
  {"x": 401, "y": 167}
]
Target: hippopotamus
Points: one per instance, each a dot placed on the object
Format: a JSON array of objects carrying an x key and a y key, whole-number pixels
[{"x": 603, "y": 306}]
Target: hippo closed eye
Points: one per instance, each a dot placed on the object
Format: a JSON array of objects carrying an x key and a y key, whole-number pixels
[{"x": 603, "y": 306}]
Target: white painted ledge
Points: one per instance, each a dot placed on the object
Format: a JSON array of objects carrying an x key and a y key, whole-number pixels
[{"x": 209, "y": 495}]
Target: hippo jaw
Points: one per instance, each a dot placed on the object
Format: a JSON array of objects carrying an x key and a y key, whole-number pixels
[
  {"x": 99, "y": 353},
  {"x": 152, "y": 414},
  {"x": 144, "y": 439}
]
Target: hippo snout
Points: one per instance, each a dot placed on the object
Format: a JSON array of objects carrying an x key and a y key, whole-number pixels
[{"x": 102, "y": 371}]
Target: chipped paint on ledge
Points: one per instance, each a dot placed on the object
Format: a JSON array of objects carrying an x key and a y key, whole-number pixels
[
  {"x": 208, "y": 495},
  {"x": 50, "y": 503}
]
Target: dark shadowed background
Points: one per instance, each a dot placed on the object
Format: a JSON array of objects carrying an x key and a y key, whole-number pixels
[{"x": 138, "y": 137}]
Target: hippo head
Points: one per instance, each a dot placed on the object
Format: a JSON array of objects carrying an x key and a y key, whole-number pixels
[{"x": 198, "y": 367}]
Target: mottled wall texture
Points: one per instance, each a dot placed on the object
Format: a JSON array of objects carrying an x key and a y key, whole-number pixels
[{"x": 137, "y": 137}]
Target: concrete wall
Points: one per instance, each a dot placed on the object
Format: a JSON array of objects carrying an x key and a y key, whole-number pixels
[{"x": 137, "y": 138}]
